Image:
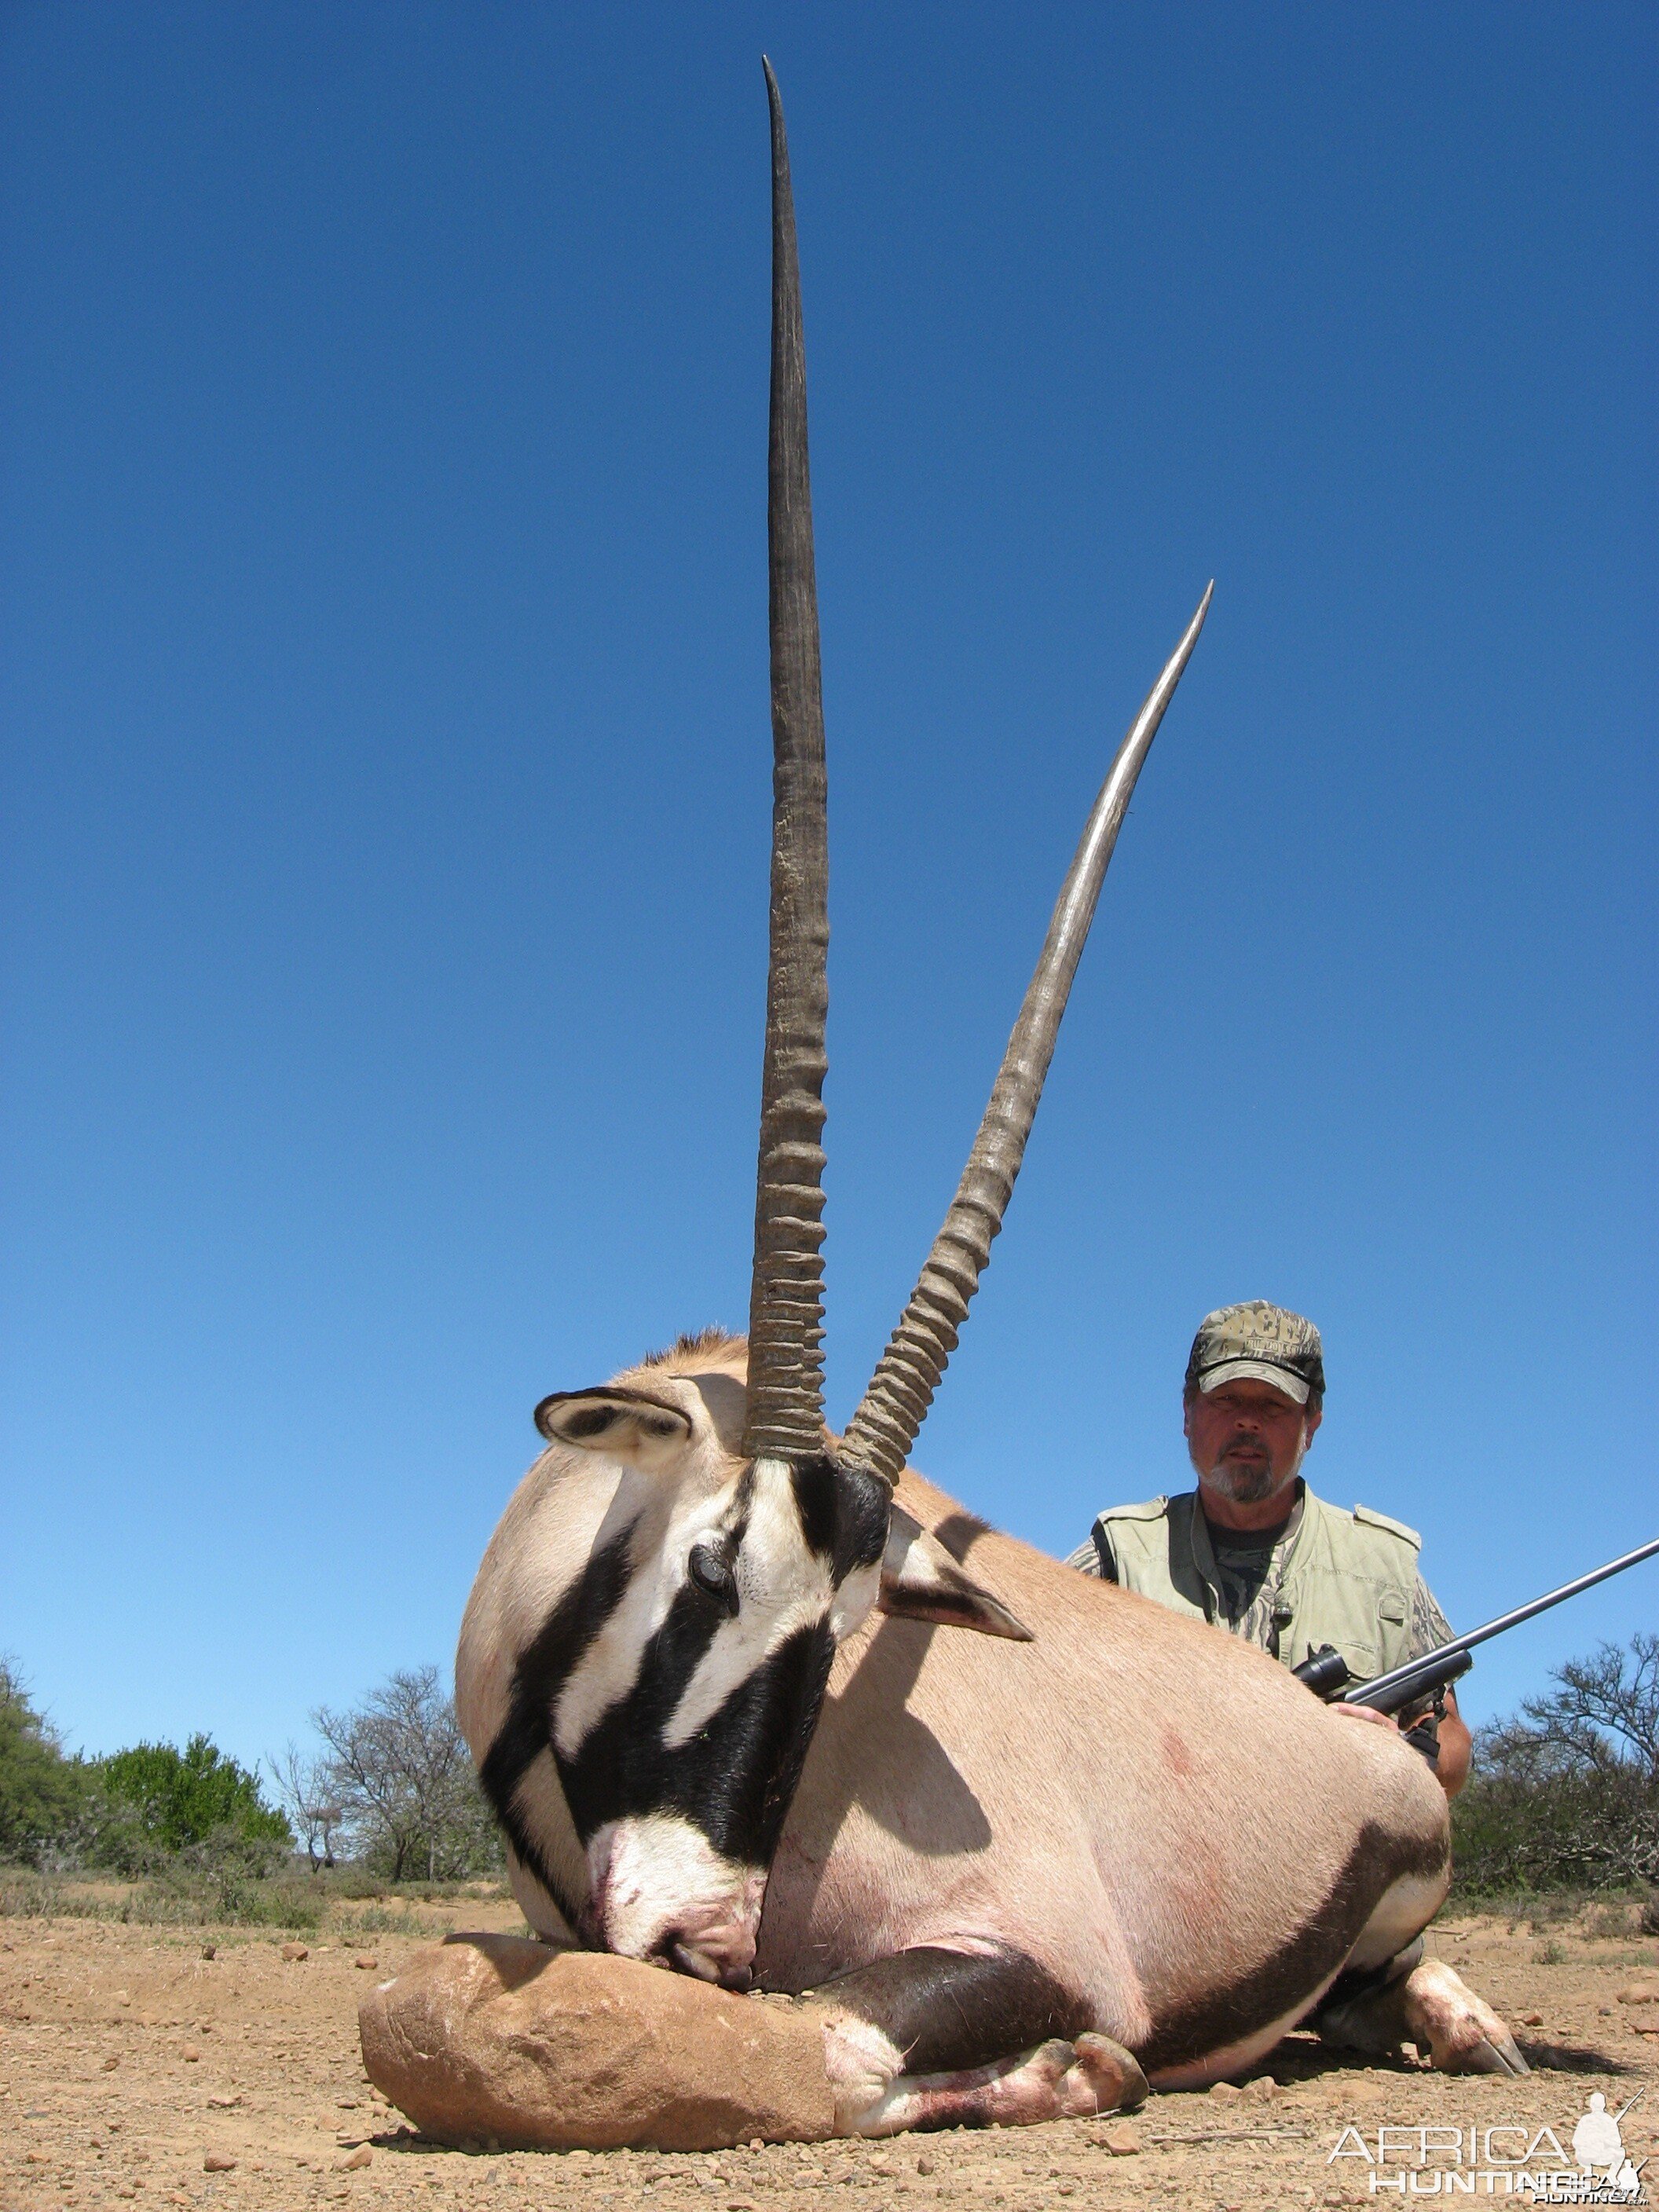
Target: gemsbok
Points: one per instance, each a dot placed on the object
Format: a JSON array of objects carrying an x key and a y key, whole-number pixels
[{"x": 702, "y": 1674}]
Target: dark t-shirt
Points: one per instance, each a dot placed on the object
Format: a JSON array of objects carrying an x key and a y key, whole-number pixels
[{"x": 1243, "y": 1557}]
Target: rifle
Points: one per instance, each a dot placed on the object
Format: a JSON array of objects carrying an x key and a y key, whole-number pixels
[{"x": 1326, "y": 1673}]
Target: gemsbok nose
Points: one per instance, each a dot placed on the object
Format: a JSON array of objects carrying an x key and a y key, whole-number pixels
[{"x": 662, "y": 1893}]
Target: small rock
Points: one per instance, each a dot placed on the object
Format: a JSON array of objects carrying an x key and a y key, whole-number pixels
[
  {"x": 1640, "y": 1993},
  {"x": 1120, "y": 2143},
  {"x": 294, "y": 1952},
  {"x": 1226, "y": 2089},
  {"x": 122, "y": 1998},
  {"x": 1262, "y": 2090},
  {"x": 925, "y": 2165},
  {"x": 1532, "y": 2019},
  {"x": 110, "y": 2064},
  {"x": 366, "y": 1963},
  {"x": 208, "y": 1951},
  {"x": 178, "y": 2196},
  {"x": 218, "y": 2161},
  {"x": 191, "y": 2055},
  {"x": 1646, "y": 2026},
  {"x": 224, "y": 2104},
  {"x": 360, "y": 2158},
  {"x": 35, "y": 2158}
]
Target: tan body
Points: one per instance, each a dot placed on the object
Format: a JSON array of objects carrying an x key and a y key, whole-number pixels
[{"x": 1149, "y": 1809}]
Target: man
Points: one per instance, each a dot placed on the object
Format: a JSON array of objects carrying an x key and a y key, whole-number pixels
[{"x": 1254, "y": 1551}]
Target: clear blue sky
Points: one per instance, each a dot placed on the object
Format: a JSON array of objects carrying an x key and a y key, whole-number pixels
[{"x": 384, "y": 689}]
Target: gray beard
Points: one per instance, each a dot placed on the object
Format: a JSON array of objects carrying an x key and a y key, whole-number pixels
[{"x": 1248, "y": 1486}]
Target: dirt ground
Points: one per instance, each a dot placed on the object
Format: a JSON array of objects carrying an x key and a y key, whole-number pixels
[{"x": 129, "y": 2061}]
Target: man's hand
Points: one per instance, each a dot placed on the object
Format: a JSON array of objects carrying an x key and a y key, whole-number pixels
[{"x": 1366, "y": 1713}]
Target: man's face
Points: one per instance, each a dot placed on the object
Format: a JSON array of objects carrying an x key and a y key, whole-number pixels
[{"x": 1246, "y": 1439}]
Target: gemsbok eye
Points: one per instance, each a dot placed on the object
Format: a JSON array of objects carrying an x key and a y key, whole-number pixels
[{"x": 714, "y": 1576}]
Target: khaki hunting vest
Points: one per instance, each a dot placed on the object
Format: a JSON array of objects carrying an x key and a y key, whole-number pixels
[{"x": 1344, "y": 1578}]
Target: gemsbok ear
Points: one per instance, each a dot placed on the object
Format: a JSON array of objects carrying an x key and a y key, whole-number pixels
[
  {"x": 920, "y": 1581},
  {"x": 626, "y": 1425}
]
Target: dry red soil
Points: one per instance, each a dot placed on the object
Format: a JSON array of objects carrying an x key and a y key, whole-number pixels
[{"x": 130, "y": 2063}]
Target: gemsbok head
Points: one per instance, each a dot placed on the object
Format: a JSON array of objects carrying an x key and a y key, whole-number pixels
[{"x": 693, "y": 1543}]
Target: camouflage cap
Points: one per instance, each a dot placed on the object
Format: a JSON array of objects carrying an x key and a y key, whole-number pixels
[{"x": 1263, "y": 1343}]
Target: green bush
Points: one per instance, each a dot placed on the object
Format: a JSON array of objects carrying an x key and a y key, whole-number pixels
[
  {"x": 46, "y": 1798},
  {"x": 163, "y": 1800}
]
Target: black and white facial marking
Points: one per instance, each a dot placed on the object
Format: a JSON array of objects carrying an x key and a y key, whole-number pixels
[{"x": 678, "y": 1678}]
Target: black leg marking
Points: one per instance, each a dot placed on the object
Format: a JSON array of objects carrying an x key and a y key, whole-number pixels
[
  {"x": 1225, "y": 2016},
  {"x": 946, "y": 2011},
  {"x": 1365, "y": 1981}
]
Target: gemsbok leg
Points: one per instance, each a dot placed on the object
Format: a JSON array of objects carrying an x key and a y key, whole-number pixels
[
  {"x": 1417, "y": 2000},
  {"x": 932, "y": 2038}
]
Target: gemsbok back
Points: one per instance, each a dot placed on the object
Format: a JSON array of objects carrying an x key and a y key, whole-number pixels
[{"x": 703, "y": 1676}]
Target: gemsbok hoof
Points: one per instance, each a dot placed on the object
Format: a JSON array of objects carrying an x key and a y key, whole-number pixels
[
  {"x": 1103, "y": 2077},
  {"x": 1434, "y": 2008},
  {"x": 1462, "y": 2032}
]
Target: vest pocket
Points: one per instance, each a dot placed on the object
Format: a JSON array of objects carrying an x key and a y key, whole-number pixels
[{"x": 1363, "y": 1660}]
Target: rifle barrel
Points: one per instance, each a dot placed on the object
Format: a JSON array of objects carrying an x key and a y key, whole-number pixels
[{"x": 1360, "y": 1694}]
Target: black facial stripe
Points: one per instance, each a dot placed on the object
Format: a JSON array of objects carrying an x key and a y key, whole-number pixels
[
  {"x": 814, "y": 1484},
  {"x": 530, "y": 1854},
  {"x": 862, "y": 1524},
  {"x": 844, "y": 1513},
  {"x": 735, "y": 1779},
  {"x": 802, "y": 1677},
  {"x": 569, "y": 1630},
  {"x": 732, "y": 1780},
  {"x": 606, "y": 1778}
]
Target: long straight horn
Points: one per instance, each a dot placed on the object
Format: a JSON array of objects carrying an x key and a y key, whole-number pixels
[
  {"x": 880, "y": 1434},
  {"x": 786, "y": 1299}
]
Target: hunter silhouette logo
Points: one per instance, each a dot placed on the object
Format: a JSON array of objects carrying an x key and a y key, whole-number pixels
[
  {"x": 1596, "y": 2142},
  {"x": 1504, "y": 2160}
]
